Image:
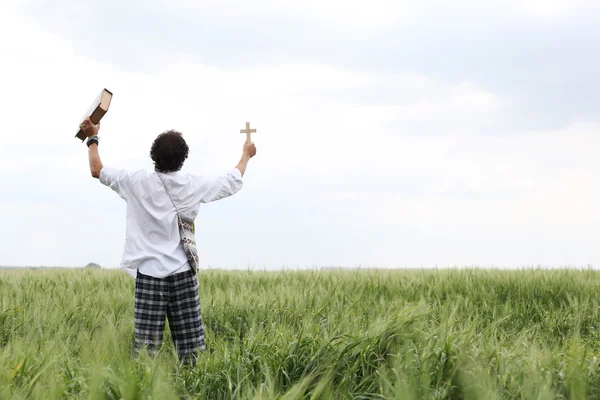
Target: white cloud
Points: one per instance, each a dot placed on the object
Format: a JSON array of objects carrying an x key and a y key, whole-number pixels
[
  {"x": 551, "y": 8},
  {"x": 539, "y": 178},
  {"x": 338, "y": 178},
  {"x": 377, "y": 15},
  {"x": 332, "y": 14}
]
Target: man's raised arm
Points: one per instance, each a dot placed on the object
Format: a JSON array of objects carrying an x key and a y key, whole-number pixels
[
  {"x": 228, "y": 184},
  {"x": 91, "y": 131}
]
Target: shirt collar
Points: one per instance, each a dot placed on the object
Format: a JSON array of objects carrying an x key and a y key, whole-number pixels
[{"x": 174, "y": 173}]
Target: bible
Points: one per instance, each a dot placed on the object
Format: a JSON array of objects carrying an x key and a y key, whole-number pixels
[{"x": 96, "y": 111}]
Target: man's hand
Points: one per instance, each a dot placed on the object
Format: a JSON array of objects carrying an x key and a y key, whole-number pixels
[
  {"x": 247, "y": 154},
  {"x": 88, "y": 128},
  {"x": 249, "y": 150}
]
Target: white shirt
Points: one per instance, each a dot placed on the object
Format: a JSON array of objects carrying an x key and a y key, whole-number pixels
[{"x": 152, "y": 241}]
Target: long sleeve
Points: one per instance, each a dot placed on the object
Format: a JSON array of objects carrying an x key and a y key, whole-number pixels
[{"x": 222, "y": 187}]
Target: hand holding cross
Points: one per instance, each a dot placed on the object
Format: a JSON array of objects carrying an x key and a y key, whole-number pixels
[
  {"x": 247, "y": 131},
  {"x": 249, "y": 149}
]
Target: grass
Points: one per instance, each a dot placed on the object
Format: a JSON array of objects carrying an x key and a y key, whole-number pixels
[{"x": 447, "y": 334}]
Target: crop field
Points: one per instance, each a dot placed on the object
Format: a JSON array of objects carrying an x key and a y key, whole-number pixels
[{"x": 353, "y": 334}]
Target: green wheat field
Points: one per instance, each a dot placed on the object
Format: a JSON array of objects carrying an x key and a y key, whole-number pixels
[{"x": 349, "y": 334}]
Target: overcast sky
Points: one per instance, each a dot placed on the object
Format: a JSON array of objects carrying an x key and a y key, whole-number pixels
[{"x": 390, "y": 133}]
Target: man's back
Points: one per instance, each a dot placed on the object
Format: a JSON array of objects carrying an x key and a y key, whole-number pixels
[{"x": 152, "y": 242}]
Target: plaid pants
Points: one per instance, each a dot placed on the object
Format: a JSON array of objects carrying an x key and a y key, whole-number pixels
[{"x": 175, "y": 297}]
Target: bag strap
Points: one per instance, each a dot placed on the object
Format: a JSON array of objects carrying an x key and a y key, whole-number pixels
[{"x": 169, "y": 194}]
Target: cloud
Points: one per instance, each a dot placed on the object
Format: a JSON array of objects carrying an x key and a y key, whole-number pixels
[
  {"x": 535, "y": 53},
  {"x": 379, "y": 143},
  {"x": 552, "y": 8}
]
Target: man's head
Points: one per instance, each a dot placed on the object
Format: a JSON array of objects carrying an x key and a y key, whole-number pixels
[{"x": 169, "y": 151}]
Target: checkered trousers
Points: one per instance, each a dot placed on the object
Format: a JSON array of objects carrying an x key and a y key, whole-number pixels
[{"x": 175, "y": 297}]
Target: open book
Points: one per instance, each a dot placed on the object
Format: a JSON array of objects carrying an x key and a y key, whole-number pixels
[{"x": 96, "y": 111}]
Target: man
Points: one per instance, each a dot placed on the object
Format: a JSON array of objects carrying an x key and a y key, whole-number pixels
[{"x": 166, "y": 282}]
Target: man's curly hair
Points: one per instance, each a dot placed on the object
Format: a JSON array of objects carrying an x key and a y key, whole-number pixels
[{"x": 169, "y": 151}]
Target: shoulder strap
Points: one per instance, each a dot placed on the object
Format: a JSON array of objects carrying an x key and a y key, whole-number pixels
[{"x": 168, "y": 194}]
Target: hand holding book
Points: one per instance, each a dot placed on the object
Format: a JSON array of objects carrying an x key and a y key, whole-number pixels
[{"x": 88, "y": 128}]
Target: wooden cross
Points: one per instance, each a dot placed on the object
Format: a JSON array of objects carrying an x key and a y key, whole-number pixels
[{"x": 247, "y": 131}]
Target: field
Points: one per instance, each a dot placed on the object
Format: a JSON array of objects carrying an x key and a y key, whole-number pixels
[{"x": 472, "y": 334}]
